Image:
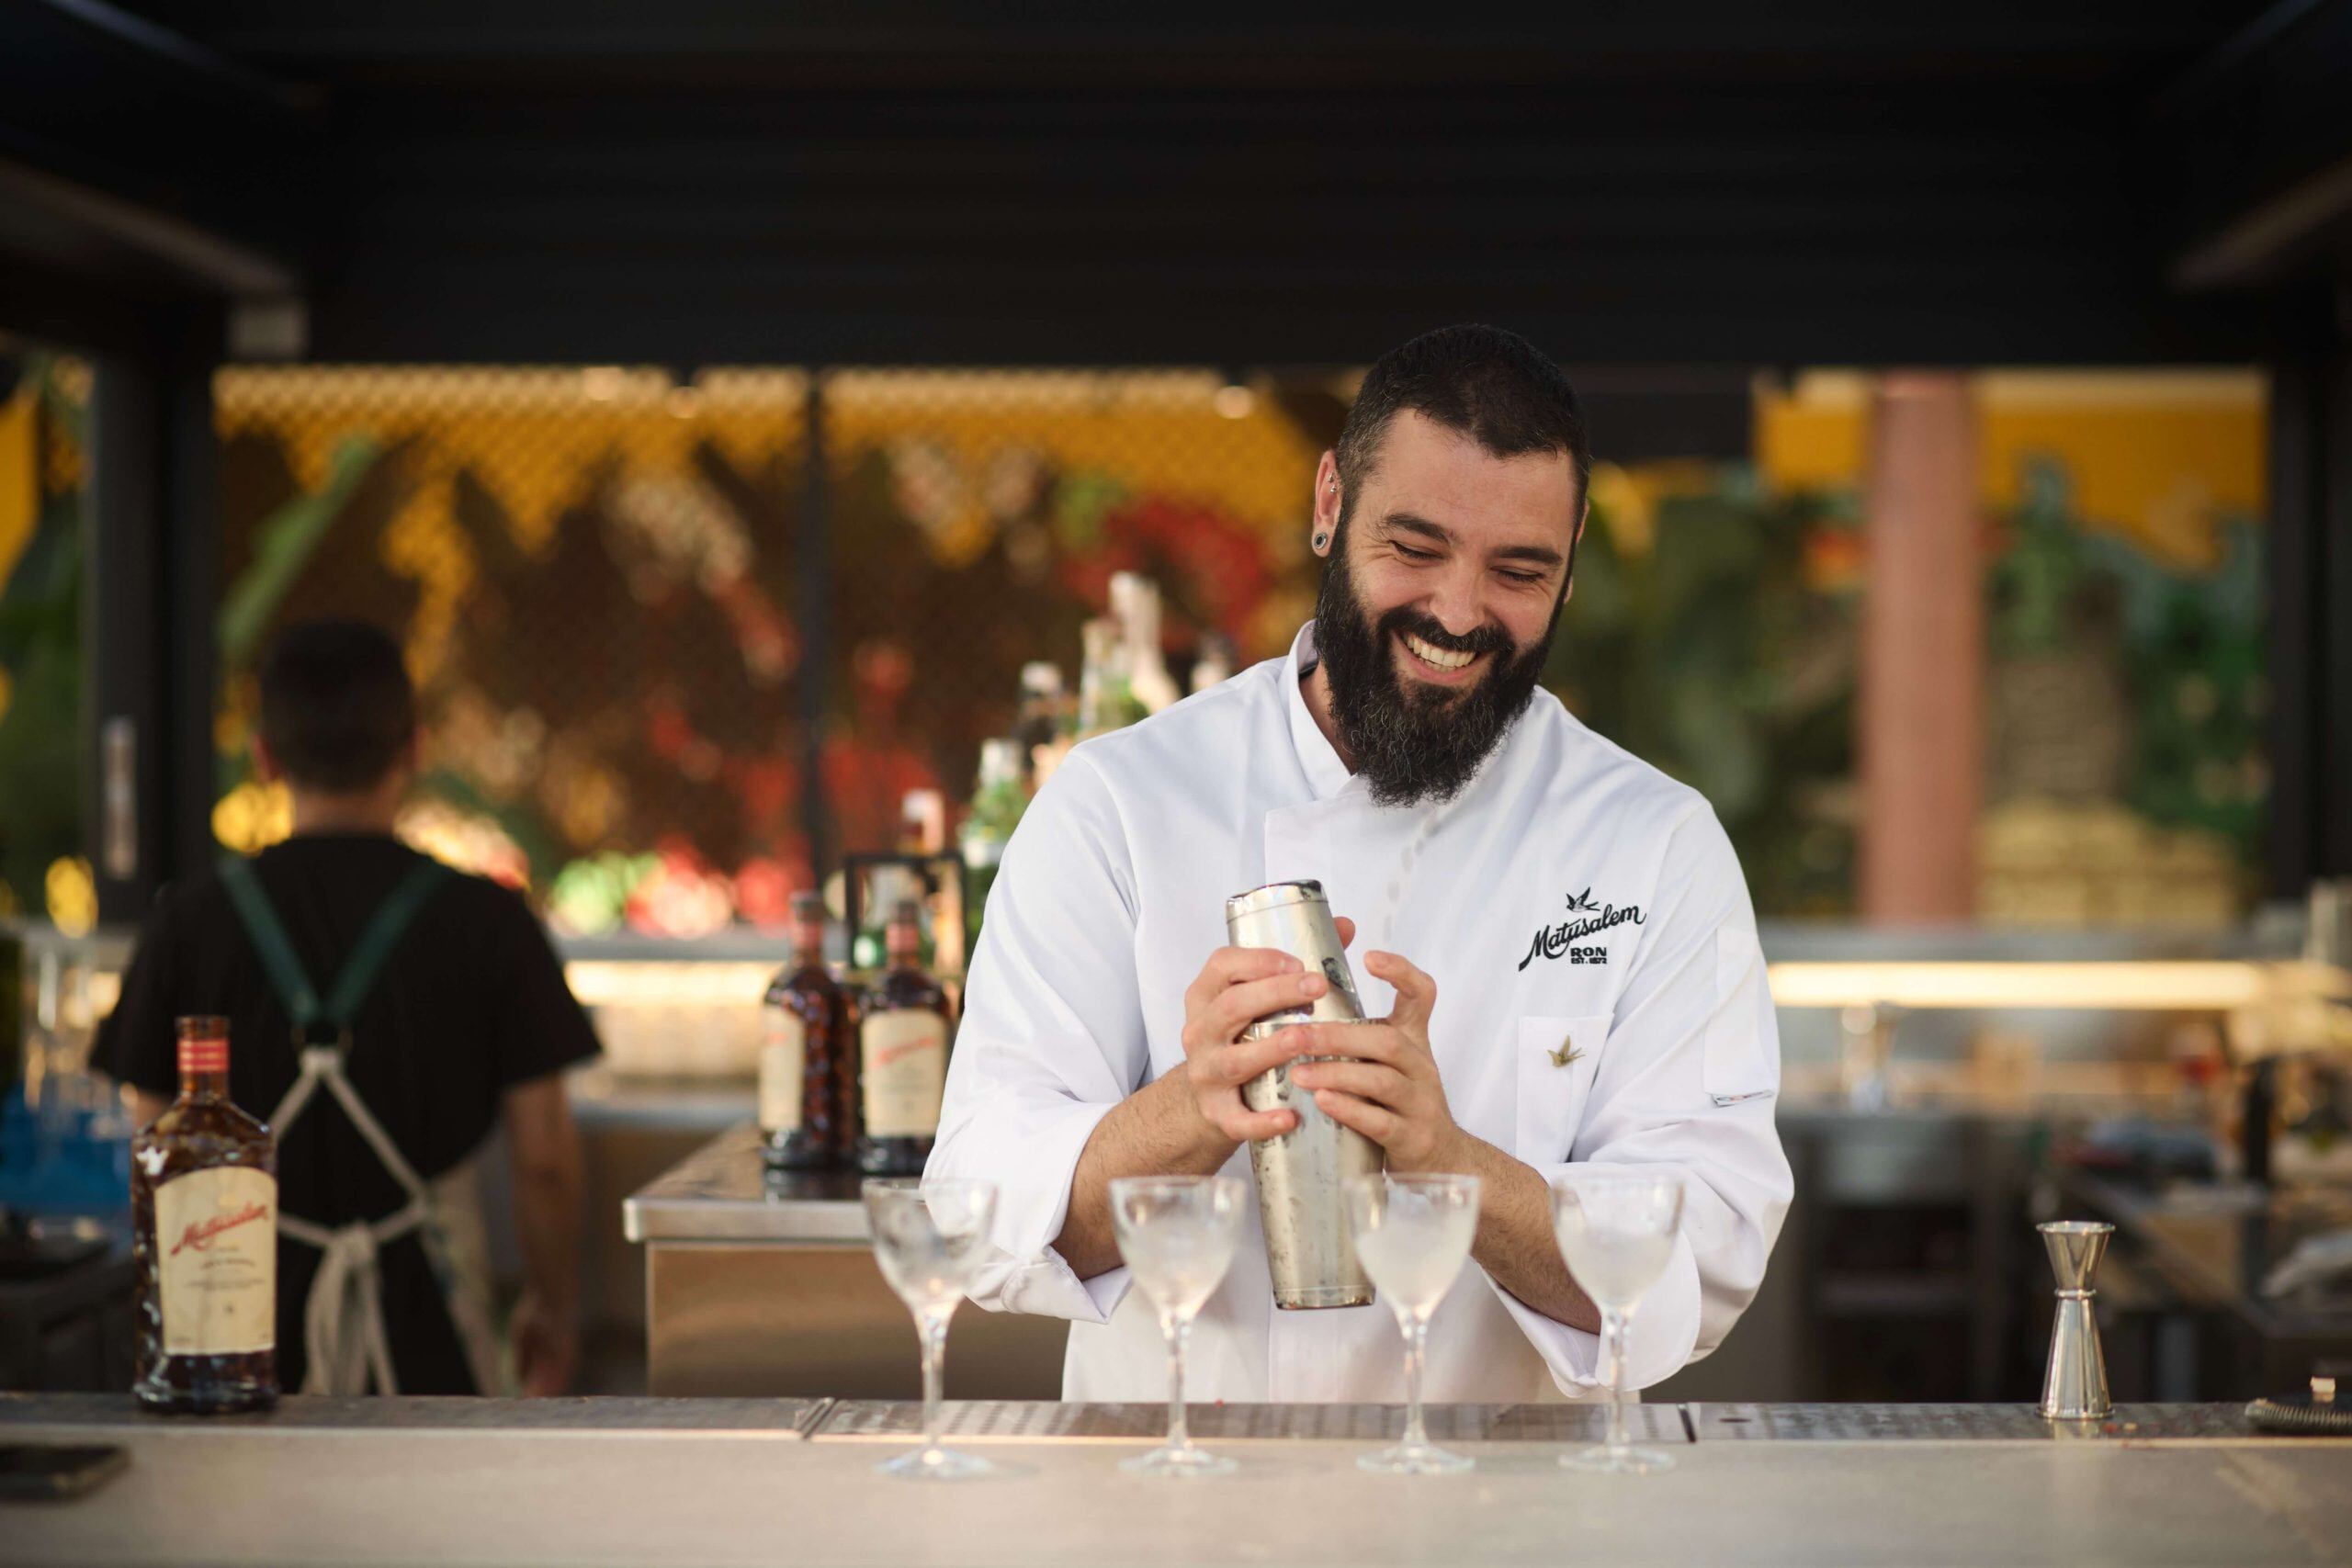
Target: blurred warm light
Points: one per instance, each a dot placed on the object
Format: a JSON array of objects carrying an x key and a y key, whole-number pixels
[
  {"x": 2154, "y": 985},
  {"x": 1234, "y": 401},
  {"x": 252, "y": 817},
  {"x": 471, "y": 842},
  {"x": 718, "y": 982},
  {"x": 72, "y": 895}
]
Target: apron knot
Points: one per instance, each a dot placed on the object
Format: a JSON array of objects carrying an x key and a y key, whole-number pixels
[{"x": 342, "y": 1322}]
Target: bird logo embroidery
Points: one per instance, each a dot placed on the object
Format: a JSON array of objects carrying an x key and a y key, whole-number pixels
[{"x": 1566, "y": 1053}]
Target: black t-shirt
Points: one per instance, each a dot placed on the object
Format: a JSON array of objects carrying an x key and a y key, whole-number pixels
[{"x": 472, "y": 1002}]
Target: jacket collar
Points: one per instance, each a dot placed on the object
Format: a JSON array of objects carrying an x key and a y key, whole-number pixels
[{"x": 1325, "y": 774}]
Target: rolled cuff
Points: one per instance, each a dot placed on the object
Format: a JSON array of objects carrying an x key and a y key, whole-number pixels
[
  {"x": 1659, "y": 1338},
  {"x": 1047, "y": 1287},
  {"x": 1031, "y": 1152}
]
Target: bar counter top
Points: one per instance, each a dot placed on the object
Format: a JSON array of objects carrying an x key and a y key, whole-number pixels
[
  {"x": 741, "y": 1481},
  {"x": 724, "y": 1191}
]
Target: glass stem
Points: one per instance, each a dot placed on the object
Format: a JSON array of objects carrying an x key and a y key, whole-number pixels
[
  {"x": 1417, "y": 1342},
  {"x": 1613, "y": 1328},
  {"x": 935, "y": 1377},
  {"x": 1179, "y": 1436}
]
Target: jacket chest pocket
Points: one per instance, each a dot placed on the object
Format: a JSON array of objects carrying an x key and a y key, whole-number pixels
[{"x": 1558, "y": 1056}]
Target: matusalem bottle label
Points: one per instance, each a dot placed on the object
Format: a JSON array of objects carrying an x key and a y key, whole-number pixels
[
  {"x": 784, "y": 1058},
  {"x": 216, "y": 1265},
  {"x": 905, "y": 1059}
]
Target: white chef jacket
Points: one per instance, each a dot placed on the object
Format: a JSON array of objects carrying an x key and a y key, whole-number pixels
[{"x": 1570, "y": 896}]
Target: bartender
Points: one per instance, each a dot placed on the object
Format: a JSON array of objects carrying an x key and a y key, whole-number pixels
[
  {"x": 389, "y": 1015},
  {"x": 1558, "y": 934}
]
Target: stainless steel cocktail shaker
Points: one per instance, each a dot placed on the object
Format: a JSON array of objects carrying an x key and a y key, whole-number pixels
[{"x": 1303, "y": 1174}]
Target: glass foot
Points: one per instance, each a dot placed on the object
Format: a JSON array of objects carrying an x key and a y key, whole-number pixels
[
  {"x": 1186, "y": 1462},
  {"x": 936, "y": 1464},
  {"x": 1424, "y": 1460},
  {"x": 1606, "y": 1461}
]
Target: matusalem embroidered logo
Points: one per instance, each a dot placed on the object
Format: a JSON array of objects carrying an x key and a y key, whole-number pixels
[{"x": 1551, "y": 942}]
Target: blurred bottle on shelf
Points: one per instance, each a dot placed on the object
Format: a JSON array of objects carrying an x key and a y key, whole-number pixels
[
  {"x": 1135, "y": 604},
  {"x": 998, "y": 801},
  {"x": 807, "y": 1083},
  {"x": 1215, "y": 665},
  {"x": 923, "y": 822},
  {"x": 1104, "y": 702},
  {"x": 1039, "y": 722},
  {"x": 881, "y": 888},
  {"x": 12, "y": 1011},
  {"x": 902, "y": 1028}
]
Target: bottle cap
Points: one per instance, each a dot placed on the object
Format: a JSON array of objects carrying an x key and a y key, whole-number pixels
[{"x": 203, "y": 1043}]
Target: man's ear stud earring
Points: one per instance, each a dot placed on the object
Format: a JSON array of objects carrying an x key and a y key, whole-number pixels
[{"x": 1321, "y": 538}]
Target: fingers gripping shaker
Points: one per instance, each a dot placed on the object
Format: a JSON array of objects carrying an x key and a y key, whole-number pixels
[{"x": 1303, "y": 1174}]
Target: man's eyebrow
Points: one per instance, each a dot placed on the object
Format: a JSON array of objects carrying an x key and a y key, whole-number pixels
[
  {"x": 1534, "y": 555},
  {"x": 1407, "y": 522}
]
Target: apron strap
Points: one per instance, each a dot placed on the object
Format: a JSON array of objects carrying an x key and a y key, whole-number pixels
[
  {"x": 328, "y": 1069},
  {"x": 360, "y": 971},
  {"x": 344, "y": 1337},
  {"x": 383, "y": 935},
  {"x": 267, "y": 933}
]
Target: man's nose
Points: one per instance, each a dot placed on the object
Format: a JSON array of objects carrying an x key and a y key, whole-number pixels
[{"x": 1454, "y": 604}]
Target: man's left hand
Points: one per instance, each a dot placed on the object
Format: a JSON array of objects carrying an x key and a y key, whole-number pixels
[{"x": 1390, "y": 1092}]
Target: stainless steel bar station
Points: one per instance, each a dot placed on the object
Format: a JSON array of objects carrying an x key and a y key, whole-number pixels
[{"x": 901, "y": 784}]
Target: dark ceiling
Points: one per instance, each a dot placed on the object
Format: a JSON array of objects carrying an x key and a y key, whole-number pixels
[{"x": 1685, "y": 182}]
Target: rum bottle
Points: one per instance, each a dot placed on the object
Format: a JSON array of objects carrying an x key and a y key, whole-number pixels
[
  {"x": 808, "y": 1085},
  {"x": 902, "y": 1030},
  {"x": 204, "y": 1207}
]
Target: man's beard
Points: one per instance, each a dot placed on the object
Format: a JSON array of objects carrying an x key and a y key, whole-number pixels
[{"x": 1413, "y": 741}]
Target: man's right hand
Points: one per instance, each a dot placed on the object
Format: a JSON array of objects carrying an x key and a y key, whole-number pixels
[
  {"x": 1235, "y": 989},
  {"x": 1190, "y": 1118}
]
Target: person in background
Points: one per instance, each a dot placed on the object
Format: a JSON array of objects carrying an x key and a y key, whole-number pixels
[{"x": 387, "y": 1014}]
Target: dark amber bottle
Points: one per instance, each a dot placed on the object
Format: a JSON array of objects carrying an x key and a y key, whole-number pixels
[
  {"x": 204, "y": 1208},
  {"x": 808, "y": 1084},
  {"x": 902, "y": 1030}
]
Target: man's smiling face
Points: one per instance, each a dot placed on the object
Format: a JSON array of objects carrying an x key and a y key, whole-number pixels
[{"x": 1440, "y": 605}]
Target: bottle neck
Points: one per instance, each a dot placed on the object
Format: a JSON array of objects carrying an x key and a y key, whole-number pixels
[
  {"x": 204, "y": 1069},
  {"x": 203, "y": 1085}
]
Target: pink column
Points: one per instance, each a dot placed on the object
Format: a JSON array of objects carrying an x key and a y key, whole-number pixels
[{"x": 1921, "y": 739}]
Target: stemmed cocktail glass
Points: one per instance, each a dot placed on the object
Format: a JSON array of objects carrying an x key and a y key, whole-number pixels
[
  {"x": 1617, "y": 1232},
  {"x": 1411, "y": 1234},
  {"x": 930, "y": 1239},
  {"x": 1177, "y": 1234}
]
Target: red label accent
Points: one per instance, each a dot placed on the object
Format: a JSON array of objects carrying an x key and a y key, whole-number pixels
[
  {"x": 200, "y": 1236},
  {"x": 204, "y": 1056}
]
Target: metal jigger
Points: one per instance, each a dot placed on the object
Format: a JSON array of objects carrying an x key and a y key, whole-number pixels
[{"x": 2075, "y": 1388}]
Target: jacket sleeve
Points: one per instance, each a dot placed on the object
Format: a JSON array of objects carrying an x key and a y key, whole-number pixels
[
  {"x": 1687, "y": 1083},
  {"x": 1052, "y": 1038}
]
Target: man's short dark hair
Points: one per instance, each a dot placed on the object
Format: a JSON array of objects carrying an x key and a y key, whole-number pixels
[
  {"x": 1491, "y": 385},
  {"x": 336, "y": 708}
]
